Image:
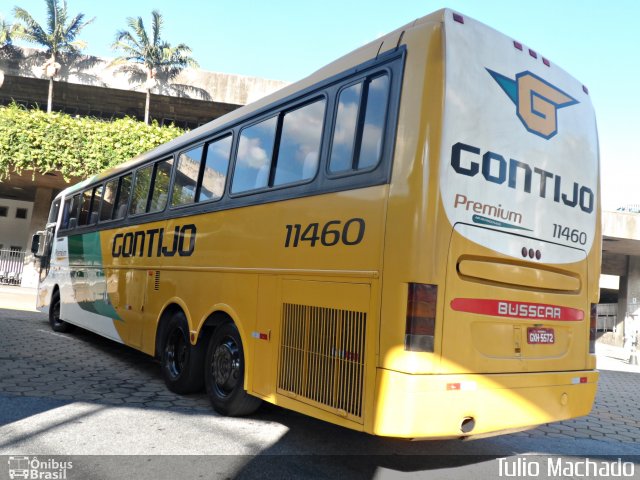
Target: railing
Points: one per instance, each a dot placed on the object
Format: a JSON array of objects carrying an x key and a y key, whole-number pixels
[
  {"x": 607, "y": 317},
  {"x": 11, "y": 265}
]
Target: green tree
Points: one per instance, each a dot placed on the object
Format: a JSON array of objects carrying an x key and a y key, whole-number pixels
[
  {"x": 58, "y": 36},
  {"x": 6, "y": 32},
  {"x": 147, "y": 57}
]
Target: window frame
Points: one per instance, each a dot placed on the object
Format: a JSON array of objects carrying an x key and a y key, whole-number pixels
[
  {"x": 203, "y": 161},
  {"x": 94, "y": 188},
  {"x": 118, "y": 181},
  {"x": 152, "y": 183},
  {"x": 279, "y": 113},
  {"x": 365, "y": 80}
]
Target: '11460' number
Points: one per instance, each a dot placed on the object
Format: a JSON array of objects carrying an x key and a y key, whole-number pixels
[
  {"x": 331, "y": 233},
  {"x": 573, "y": 235}
]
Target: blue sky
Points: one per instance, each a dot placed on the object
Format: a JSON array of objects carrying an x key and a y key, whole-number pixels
[{"x": 597, "y": 42}]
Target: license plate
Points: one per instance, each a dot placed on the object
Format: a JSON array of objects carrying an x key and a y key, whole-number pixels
[{"x": 544, "y": 336}]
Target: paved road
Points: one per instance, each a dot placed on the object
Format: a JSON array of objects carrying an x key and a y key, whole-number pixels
[{"x": 80, "y": 394}]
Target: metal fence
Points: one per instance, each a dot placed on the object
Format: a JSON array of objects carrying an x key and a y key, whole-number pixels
[
  {"x": 11, "y": 265},
  {"x": 607, "y": 317}
]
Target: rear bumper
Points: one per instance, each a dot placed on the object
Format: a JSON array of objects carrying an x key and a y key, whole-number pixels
[{"x": 435, "y": 406}]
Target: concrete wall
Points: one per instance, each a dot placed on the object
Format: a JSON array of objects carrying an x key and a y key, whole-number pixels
[
  {"x": 14, "y": 231},
  {"x": 100, "y": 72}
]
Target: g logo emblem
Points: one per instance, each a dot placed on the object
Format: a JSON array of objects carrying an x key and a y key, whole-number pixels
[{"x": 537, "y": 101}]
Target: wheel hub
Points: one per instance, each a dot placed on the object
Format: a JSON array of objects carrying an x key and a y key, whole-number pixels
[{"x": 225, "y": 367}]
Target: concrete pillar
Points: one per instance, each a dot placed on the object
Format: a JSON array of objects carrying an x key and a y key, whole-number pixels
[
  {"x": 631, "y": 300},
  {"x": 618, "y": 335},
  {"x": 39, "y": 216}
]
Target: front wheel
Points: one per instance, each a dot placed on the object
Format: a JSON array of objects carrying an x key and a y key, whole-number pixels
[
  {"x": 224, "y": 373},
  {"x": 57, "y": 325}
]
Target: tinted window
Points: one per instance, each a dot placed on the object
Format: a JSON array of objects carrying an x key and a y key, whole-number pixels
[
  {"x": 344, "y": 134},
  {"x": 53, "y": 213},
  {"x": 359, "y": 128},
  {"x": 161, "y": 185},
  {"x": 300, "y": 144},
  {"x": 84, "y": 209},
  {"x": 215, "y": 169},
  {"x": 186, "y": 182},
  {"x": 124, "y": 192},
  {"x": 141, "y": 190},
  {"x": 253, "y": 161},
  {"x": 108, "y": 200},
  {"x": 95, "y": 205},
  {"x": 376, "y": 112},
  {"x": 66, "y": 213},
  {"x": 73, "y": 211}
]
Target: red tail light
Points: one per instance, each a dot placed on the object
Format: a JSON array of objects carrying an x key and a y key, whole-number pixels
[
  {"x": 421, "y": 317},
  {"x": 593, "y": 319}
]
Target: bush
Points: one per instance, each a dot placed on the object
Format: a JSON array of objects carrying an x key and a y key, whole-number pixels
[{"x": 76, "y": 147}]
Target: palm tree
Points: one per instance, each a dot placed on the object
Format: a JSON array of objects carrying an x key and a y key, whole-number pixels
[
  {"x": 57, "y": 37},
  {"x": 6, "y": 32},
  {"x": 149, "y": 57}
]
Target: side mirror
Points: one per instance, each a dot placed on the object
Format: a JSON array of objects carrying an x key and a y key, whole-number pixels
[{"x": 38, "y": 244}]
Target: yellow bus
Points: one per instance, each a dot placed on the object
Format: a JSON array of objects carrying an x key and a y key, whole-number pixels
[{"x": 406, "y": 243}]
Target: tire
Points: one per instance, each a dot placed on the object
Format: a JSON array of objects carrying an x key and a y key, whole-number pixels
[
  {"x": 182, "y": 363},
  {"x": 224, "y": 373},
  {"x": 57, "y": 325}
]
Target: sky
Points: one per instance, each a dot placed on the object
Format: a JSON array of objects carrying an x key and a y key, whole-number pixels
[{"x": 597, "y": 42}]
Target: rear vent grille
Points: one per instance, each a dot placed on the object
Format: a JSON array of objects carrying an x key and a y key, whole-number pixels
[
  {"x": 156, "y": 283},
  {"x": 322, "y": 357}
]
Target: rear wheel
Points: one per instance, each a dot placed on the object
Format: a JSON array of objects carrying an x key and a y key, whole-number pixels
[
  {"x": 182, "y": 363},
  {"x": 57, "y": 325},
  {"x": 224, "y": 375}
]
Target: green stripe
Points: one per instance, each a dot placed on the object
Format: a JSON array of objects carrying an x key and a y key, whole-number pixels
[
  {"x": 88, "y": 277},
  {"x": 496, "y": 223}
]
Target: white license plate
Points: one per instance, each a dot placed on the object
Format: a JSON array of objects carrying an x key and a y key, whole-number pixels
[{"x": 544, "y": 336}]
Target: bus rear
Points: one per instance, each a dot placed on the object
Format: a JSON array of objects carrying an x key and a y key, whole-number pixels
[{"x": 501, "y": 295}]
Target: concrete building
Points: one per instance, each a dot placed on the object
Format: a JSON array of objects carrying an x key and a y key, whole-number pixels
[
  {"x": 621, "y": 261},
  {"x": 92, "y": 86}
]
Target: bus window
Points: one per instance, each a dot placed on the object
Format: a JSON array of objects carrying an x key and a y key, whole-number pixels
[
  {"x": 186, "y": 181},
  {"x": 73, "y": 211},
  {"x": 344, "y": 134},
  {"x": 253, "y": 161},
  {"x": 122, "y": 199},
  {"x": 66, "y": 213},
  {"x": 84, "y": 209},
  {"x": 95, "y": 205},
  {"x": 53, "y": 213},
  {"x": 376, "y": 112},
  {"x": 160, "y": 192},
  {"x": 215, "y": 169},
  {"x": 300, "y": 143},
  {"x": 141, "y": 186},
  {"x": 106, "y": 210},
  {"x": 357, "y": 141}
]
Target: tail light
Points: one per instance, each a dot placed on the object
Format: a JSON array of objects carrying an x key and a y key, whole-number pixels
[
  {"x": 421, "y": 317},
  {"x": 593, "y": 318}
]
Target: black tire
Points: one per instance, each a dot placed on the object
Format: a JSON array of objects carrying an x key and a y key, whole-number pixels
[
  {"x": 182, "y": 363},
  {"x": 224, "y": 373},
  {"x": 57, "y": 325}
]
